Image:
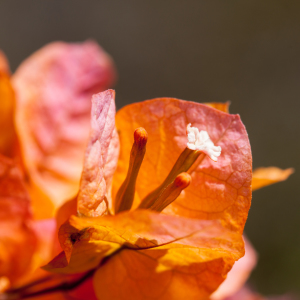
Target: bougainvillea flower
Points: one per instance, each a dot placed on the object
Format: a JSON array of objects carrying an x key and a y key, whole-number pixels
[
  {"x": 73, "y": 72},
  {"x": 196, "y": 239},
  {"x": 53, "y": 91},
  {"x": 190, "y": 247}
]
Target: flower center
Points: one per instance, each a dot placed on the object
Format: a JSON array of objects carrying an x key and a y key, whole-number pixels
[
  {"x": 125, "y": 195},
  {"x": 176, "y": 181}
]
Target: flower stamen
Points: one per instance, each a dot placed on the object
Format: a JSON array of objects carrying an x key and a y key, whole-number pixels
[
  {"x": 172, "y": 192},
  {"x": 125, "y": 195},
  {"x": 198, "y": 142},
  {"x": 183, "y": 163}
]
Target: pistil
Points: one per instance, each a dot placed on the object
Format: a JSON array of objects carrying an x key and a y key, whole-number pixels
[{"x": 125, "y": 195}]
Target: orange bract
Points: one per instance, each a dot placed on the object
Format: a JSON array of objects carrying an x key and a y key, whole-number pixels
[
  {"x": 266, "y": 176},
  {"x": 219, "y": 190},
  {"x": 219, "y": 106},
  {"x": 7, "y": 106},
  {"x": 169, "y": 244},
  {"x": 18, "y": 241}
]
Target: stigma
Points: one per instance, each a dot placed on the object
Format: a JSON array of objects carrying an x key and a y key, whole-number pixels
[{"x": 201, "y": 141}]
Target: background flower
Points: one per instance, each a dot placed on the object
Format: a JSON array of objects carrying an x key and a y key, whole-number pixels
[
  {"x": 53, "y": 91},
  {"x": 39, "y": 128}
]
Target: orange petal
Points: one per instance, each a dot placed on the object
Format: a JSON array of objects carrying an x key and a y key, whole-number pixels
[
  {"x": 239, "y": 274},
  {"x": 191, "y": 268},
  {"x": 97, "y": 170},
  {"x": 45, "y": 233},
  {"x": 68, "y": 209},
  {"x": 17, "y": 239},
  {"x": 86, "y": 241},
  {"x": 7, "y": 106},
  {"x": 63, "y": 214},
  {"x": 218, "y": 190},
  {"x": 4, "y": 67},
  {"x": 219, "y": 106},
  {"x": 53, "y": 90},
  {"x": 266, "y": 176}
]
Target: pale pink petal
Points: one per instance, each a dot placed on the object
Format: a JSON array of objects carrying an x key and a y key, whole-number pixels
[
  {"x": 92, "y": 198},
  {"x": 238, "y": 275},
  {"x": 245, "y": 293},
  {"x": 53, "y": 90}
]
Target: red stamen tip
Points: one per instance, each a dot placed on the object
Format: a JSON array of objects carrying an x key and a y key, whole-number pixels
[
  {"x": 140, "y": 136},
  {"x": 183, "y": 180}
]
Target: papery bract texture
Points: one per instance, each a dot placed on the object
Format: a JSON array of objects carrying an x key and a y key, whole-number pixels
[
  {"x": 220, "y": 190},
  {"x": 162, "y": 251},
  {"x": 190, "y": 267},
  {"x": 100, "y": 158},
  {"x": 53, "y": 90},
  {"x": 17, "y": 238}
]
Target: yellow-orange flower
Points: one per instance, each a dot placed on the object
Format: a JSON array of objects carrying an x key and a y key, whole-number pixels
[
  {"x": 189, "y": 248},
  {"x": 184, "y": 252}
]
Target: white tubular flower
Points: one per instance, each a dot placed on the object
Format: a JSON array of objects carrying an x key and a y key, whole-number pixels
[{"x": 201, "y": 141}]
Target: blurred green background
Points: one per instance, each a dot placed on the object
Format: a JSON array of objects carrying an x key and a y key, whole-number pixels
[{"x": 247, "y": 52}]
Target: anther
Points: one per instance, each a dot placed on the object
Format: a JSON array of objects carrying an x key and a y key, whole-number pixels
[
  {"x": 171, "y": 193},
  {"x": 202, "y": 142},
  {"x": 125, "y": 195}
]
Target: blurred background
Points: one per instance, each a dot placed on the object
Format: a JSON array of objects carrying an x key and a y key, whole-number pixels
[{"x": 247, "y": 52}]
